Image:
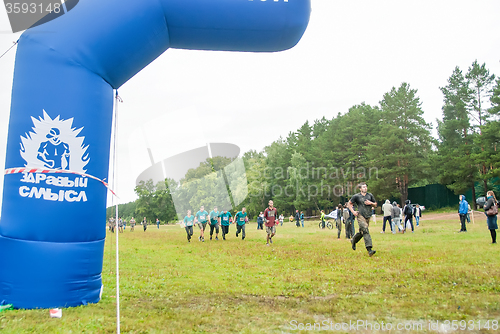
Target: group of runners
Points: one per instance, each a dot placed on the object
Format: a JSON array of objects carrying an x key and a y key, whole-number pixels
[
  {"x": 224, "y": 218},
  {"x": 214, "y": 219},
  {"x": 122, "y": 224}
]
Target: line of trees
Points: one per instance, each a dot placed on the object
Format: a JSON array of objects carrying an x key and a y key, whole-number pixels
[
  {"x": 389, "y": 146},
  {"x": 469, "y": 132}
]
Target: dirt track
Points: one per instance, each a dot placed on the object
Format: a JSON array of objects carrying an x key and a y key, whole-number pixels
[{"x": 478, "y": 215}]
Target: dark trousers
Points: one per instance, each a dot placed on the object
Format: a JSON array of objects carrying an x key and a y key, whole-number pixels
[
  {"x": 389, "y": 219},
  {"x": 338, "y": 223},
  {"x": 225, "y": 230},
  {"x": 189, "y": 232},
  {"x": 260, "y": 225},
  {"x": 214, "y": 227},
  {"x": 493, "y": 236},
  {"x": 463, "y": 219},
  {"x": 408, "y": 218},
  {"x": 363, "y": 232},
  {"x": 348, "y": 228},
  {"x": 240, "y": 229}
]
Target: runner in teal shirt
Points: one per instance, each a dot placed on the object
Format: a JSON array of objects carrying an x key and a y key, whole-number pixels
[
  {"x": 240, "y": 219},
  {"x": 202, "y": 217},
  {"x": 214, "y": 223},
  {"x": 224, "y": 221},
  {"x": 188, "y": 225}
]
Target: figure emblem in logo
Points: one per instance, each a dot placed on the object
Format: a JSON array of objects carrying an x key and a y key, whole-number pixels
[
  {"x": 53, "y": 152},
  {"x": 54, "y": 144}
]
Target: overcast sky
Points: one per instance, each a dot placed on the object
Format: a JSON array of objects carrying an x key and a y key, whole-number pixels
[{"x": 352, "y": 52}]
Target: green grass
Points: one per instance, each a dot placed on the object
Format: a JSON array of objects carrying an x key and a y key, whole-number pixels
[
  {"x": 307, "y": 275},
  {"x": 442, "y": 210}
]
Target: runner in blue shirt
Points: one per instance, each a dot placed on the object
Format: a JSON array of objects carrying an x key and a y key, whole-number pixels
[
  {"x": 202, "y": 217},
  {"x": 214, "y": 223},
  {"x": 240, "y": 219},
  {"x": 224, "y": 222},
  {"x": 188, "y": 225}
]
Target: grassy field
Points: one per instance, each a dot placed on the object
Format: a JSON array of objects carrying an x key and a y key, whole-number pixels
[{"x": 307, "y": 276}]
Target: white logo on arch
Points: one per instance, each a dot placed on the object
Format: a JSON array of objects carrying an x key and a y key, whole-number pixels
[{"x": 54, "y": 144}]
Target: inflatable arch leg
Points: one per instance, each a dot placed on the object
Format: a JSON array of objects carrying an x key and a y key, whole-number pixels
[{"x": 52, "y": 226}]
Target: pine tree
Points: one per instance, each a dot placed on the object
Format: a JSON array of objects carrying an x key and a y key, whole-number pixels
[
  {"x": 456, "y": 138},
  {"x": 489, "y": 140},
  {"x": 481, "y": 83},
  {"x": 401, "y": 149}
]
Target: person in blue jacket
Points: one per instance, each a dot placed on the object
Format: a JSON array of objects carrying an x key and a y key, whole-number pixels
[{"x": 463, "y": 208}]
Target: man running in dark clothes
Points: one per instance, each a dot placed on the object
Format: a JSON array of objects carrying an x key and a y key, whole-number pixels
[{"x": 365, "y": 202}]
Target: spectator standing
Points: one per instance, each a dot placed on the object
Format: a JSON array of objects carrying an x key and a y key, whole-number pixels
[
  {"x": 408, "y": 213},
  {"x": 491, "y": 201},
  {"x": 297, "y": 218},
  {"x": 112, "y": 224},
  {"x": 260, "y": 221},
  {"x": 351, "y": 218},
  {"x": 418, "y": 214},
  {"x": 347, "y": 221},
  {"x": 468, "y": 214},
  {"x": 322, "y": 218},
  {"x": 396, "y": 218},
  {"x": 463, "y": 208},
  {"x": 401, "y": 218},
  {"x": 338, "y": 220},
  {"x": 302, "y": 218},
  {"x": 387, "y": 211}
]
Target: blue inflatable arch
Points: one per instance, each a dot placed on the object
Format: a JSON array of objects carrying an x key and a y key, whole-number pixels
[{"x": 52, "y": 224}]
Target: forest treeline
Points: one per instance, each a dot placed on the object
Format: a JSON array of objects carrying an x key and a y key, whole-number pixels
[{"x": 389, "y": 146}]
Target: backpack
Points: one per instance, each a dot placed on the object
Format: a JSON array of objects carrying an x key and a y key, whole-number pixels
[{"x": 408, "y": 210}]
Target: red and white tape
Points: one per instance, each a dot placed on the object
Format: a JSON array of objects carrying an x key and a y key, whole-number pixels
[{"x": 55, "y": 171}]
